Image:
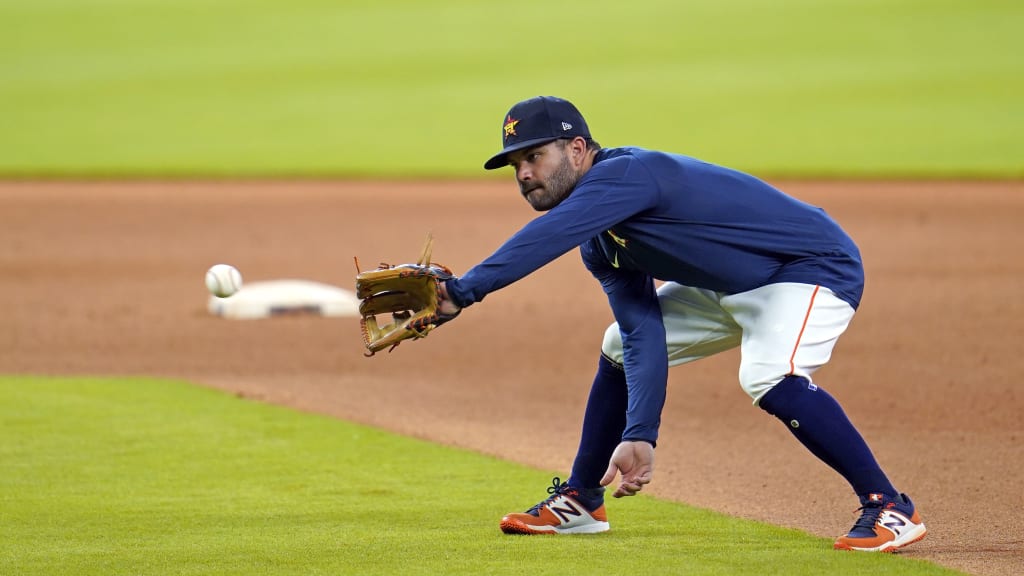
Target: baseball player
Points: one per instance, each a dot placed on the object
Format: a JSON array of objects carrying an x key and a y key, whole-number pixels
[{"x": 742, "y": 264}]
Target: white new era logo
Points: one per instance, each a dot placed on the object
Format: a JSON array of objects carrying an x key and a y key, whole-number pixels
[{"x": 566, "y": 126}]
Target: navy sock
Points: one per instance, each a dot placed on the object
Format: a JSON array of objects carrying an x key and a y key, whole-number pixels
[
  {"x": 820, "y": 424},
  {"x": 603, "y": 424}
]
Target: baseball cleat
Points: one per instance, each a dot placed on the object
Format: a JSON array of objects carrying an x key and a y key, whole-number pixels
[
  {"x": 886, "y": 524},
  {"x": 561, "y": 513}
]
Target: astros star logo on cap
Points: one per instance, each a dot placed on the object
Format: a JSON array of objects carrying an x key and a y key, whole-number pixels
[{"x": 510, "y": 126}]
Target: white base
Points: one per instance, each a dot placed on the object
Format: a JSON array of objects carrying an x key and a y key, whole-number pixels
[{"x": 284, "y": 298}]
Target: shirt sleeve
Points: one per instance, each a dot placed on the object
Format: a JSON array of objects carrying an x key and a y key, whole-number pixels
[
  {"x": 612, "y": 191},
  {"x": 634, "y": 302}
]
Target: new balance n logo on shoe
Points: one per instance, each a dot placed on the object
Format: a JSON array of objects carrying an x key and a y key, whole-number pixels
[
  {"x": 894, "y": 522},
  {"x": 565, "y": 509}
]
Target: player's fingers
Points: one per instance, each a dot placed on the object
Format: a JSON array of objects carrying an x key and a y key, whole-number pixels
[
  {"x": 609, "y": 475},
  {"x": 626, "y": 489}
]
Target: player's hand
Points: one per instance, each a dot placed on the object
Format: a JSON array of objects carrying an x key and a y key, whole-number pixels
[
  {"x": 446, "y": 307},
  {"x": 635, "y": 460}
]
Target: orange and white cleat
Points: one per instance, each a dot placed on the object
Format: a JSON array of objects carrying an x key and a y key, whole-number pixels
[
  {"x": 886, "y": 524},
  {"x": 566, "y": 511}
]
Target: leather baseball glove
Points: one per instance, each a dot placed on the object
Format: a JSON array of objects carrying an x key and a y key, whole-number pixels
[{"x": 401, "y": 302}]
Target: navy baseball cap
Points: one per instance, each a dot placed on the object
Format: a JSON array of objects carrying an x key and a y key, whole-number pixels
[{"x": 535, "y": 122}]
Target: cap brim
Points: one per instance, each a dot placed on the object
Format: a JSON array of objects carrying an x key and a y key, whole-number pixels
[{"x": 501, "y": 158}]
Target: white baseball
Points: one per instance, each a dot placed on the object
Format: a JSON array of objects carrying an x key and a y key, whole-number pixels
[{"x": 223, "y": 280}]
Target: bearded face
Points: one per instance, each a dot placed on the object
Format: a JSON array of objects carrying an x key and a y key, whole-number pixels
[{"x": 545, "y": 174}]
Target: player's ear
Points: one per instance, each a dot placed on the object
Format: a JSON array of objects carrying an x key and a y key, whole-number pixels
[{"x": 578, "y": 149}]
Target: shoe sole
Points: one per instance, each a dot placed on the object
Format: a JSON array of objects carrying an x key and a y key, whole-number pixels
[
  {"x": 915, "y": 535},
  {"x": 511, "y": 526}
]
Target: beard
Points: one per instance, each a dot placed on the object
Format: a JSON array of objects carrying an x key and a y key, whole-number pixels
[{"x": 544, "y": 196}]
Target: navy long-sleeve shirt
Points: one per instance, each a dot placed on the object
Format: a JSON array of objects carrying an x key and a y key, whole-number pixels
[{"x": 639, "y": 215}]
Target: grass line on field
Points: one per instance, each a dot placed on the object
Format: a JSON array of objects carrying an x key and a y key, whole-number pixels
[{"x": 141, "y": 476}]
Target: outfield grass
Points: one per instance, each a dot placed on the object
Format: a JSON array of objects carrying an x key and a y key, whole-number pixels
[
  {"x": 136, "y": 476},
  {"x": 410, "y": 88}
]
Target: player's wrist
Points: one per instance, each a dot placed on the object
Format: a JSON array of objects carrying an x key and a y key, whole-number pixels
[
  {"x": 450, "y": 291},
  {"x": 653, "y": 443}
]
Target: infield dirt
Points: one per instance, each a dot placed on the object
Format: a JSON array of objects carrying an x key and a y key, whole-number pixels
[{"x": 107, "y": 278}]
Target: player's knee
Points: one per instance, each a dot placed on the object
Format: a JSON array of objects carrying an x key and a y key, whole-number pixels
[
  {"x": 788, "y": 399},
  {"x": 757, "y": 378},
  {"x": 612, "y": 344}
]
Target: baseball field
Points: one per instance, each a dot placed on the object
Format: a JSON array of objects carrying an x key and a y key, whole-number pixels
[{"x": 142, "y": 142}]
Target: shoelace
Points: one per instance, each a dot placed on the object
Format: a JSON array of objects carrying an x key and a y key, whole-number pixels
[
  {"x": 868, "y": 517},
  {"x": 557, "y": 488}
]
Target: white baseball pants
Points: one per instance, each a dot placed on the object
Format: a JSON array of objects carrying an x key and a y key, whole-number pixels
[{"x": 782, "y": 329}]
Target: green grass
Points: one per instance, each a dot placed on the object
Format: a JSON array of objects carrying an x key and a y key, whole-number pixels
[
  {"x": 411, "y": 88},
  {"x": 137, "y": 476}
]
